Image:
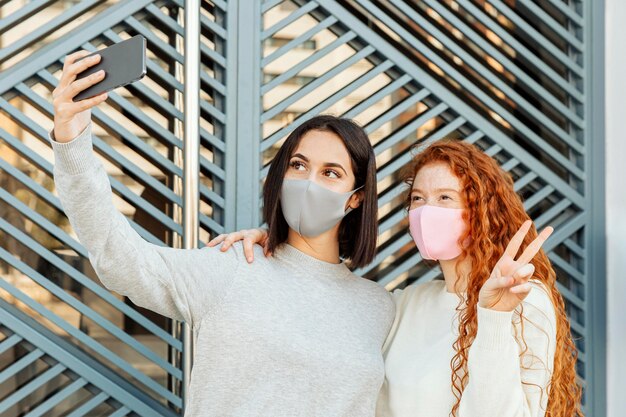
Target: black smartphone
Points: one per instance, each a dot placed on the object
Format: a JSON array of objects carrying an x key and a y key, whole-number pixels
[{"x": 123, "y": 64}]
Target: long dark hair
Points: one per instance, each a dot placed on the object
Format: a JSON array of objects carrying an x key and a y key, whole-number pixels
[{"x": 359, "y": 229}]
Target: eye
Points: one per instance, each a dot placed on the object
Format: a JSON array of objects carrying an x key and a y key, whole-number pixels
[
  {"x": 331, "y": 174},
  {"x": 445, "y": 197},
  {"x": 416, "y": 198},
  {"x": 297, "y": 165}
]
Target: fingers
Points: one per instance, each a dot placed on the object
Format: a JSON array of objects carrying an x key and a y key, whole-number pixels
[
  {"x": 524, "y": 273},
  {"x": 518, "y": 238},
  {"x": 74, "y": 66},
  {"x": 248, "y": 249},
  {"x": 265, "y": 243},
  {"x": 534, "y": 246},
  {"x": 519, "y": 282},
  {"x": 230, "y": 239},
  {"x": 64, "y": 110},
  {"x": 86, "y": 104},
  {"x": 249, "y": 237},
  {"x": 217, "y": 240},
  {"x": 80, "y": 66},
  {"x": 64, "y": 106},
  {"x": 70, "y": 59},
  {"x": 522, "y": 288},
  {"x": 82, "y": 84},
  {"x": 498, "y": 281}
]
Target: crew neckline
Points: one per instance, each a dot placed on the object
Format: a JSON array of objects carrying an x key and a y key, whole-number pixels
[{"x": 296, "y": 257}]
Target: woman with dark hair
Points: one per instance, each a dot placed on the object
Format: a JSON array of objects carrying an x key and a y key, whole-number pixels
[
  {"x": 492, "y": 338},
  {"x": 294, "y": 334}
]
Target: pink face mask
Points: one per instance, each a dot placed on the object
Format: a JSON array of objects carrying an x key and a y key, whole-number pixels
[{"x": 436, "y": 231}]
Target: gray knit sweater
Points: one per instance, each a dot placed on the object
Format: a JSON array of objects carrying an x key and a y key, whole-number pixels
[{"x": 288, "y": 335}]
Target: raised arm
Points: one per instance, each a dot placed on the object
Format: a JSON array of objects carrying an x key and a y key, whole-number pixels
[
  {"x": 511, "y": 360},
  {"x": 180, "y": 284}
]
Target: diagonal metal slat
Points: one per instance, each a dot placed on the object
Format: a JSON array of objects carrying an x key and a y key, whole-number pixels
[
  {"x": 333, "y": 99},
  {"x": 20, "y": 364},
  {"x": 31, "y": 386},
  {"x": 22, "y": 14},
  {"x": 458, "y": 105},
  {"x": 523, "y": 51},
  {"x": 69, "y": 42},
  {"x": 44, "y": 30},
  {"x": 79, "y": 306},
  {"x": 538, "y": 37},
  {"x": 89, "y": 405},
  {"x": 508, "y": 64},
  {"x": 316, "y": 83},
  {"x": 71, "y": 330},
  {"x": 306, "y": 9},
  {"x": 57, "y": 398},
  {"x": 105, "y": 295},
  {"x": 476, "y": 91},
  {"x": 9, "y": 342},
  {"x": 294, "y": 43}
]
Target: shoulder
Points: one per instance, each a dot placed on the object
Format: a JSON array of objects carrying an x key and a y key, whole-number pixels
[
  {"x": 200, "y": 256},
  {"x": 235, "y": 251},
  {"x": 415, "y": 293},
  {"x": 377, "y": 298},
  {"x": 373, "y": 288}
]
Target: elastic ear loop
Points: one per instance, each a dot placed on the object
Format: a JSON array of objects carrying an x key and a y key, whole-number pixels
[{"x": 349, "y": 209}]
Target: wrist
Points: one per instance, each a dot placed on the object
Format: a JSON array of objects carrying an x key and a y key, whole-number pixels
[
  {"x": 494, "y": 327},
  {"x": 76, "y": 155},
  {"x": 62, "y": 136}
]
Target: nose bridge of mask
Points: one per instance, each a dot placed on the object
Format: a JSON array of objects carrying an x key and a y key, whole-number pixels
[{"x": 317, "y": 194}]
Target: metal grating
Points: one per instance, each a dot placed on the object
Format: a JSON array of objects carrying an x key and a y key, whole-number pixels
[{"x": 511, "y": 76}]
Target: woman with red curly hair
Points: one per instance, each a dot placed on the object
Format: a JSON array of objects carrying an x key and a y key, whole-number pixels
[
  {"x": 482, "y": 342},
  {"x": 491, "y": 338}
]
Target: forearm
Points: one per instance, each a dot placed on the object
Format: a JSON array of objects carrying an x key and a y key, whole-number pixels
[{"x": 496, "y": 384}]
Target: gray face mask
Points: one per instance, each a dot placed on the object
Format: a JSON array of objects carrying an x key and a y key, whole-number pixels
[{"x": 311, "y": 209}]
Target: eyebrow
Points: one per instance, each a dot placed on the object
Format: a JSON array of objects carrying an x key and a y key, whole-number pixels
[
  {"x": 326, "y": 164},
  {"x": 417, "y": 190}
]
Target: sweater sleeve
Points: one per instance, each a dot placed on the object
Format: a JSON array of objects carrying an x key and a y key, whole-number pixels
[
  {"x": 511, "y": 360},
  {"x": 180, "y": 284}
]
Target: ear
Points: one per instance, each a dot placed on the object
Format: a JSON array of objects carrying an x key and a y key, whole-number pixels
[{"x": 356, "y": 199}]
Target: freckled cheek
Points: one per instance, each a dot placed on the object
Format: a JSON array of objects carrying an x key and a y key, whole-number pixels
[{"x": 415, "y": 204}]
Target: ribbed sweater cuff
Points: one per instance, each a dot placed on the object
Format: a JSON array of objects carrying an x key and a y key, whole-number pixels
[
  {"x": 494, "y": 328},
  {"x": 76, "y": 156}
]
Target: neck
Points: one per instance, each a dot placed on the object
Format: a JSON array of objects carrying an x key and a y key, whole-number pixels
[
  {"x": 454, "y": 282},
  {"x": 324, "y": 247}
]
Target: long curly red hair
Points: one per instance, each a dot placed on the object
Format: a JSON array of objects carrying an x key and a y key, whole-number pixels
[{"x": 494, "y": 213}]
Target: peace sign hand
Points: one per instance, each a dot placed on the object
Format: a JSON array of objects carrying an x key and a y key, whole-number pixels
[{"x": 509, "y": 283}]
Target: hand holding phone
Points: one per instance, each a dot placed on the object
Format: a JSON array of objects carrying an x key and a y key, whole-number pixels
[
  {"x": 83, "y": 76},
  {"x": 123, "y": 64}
]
